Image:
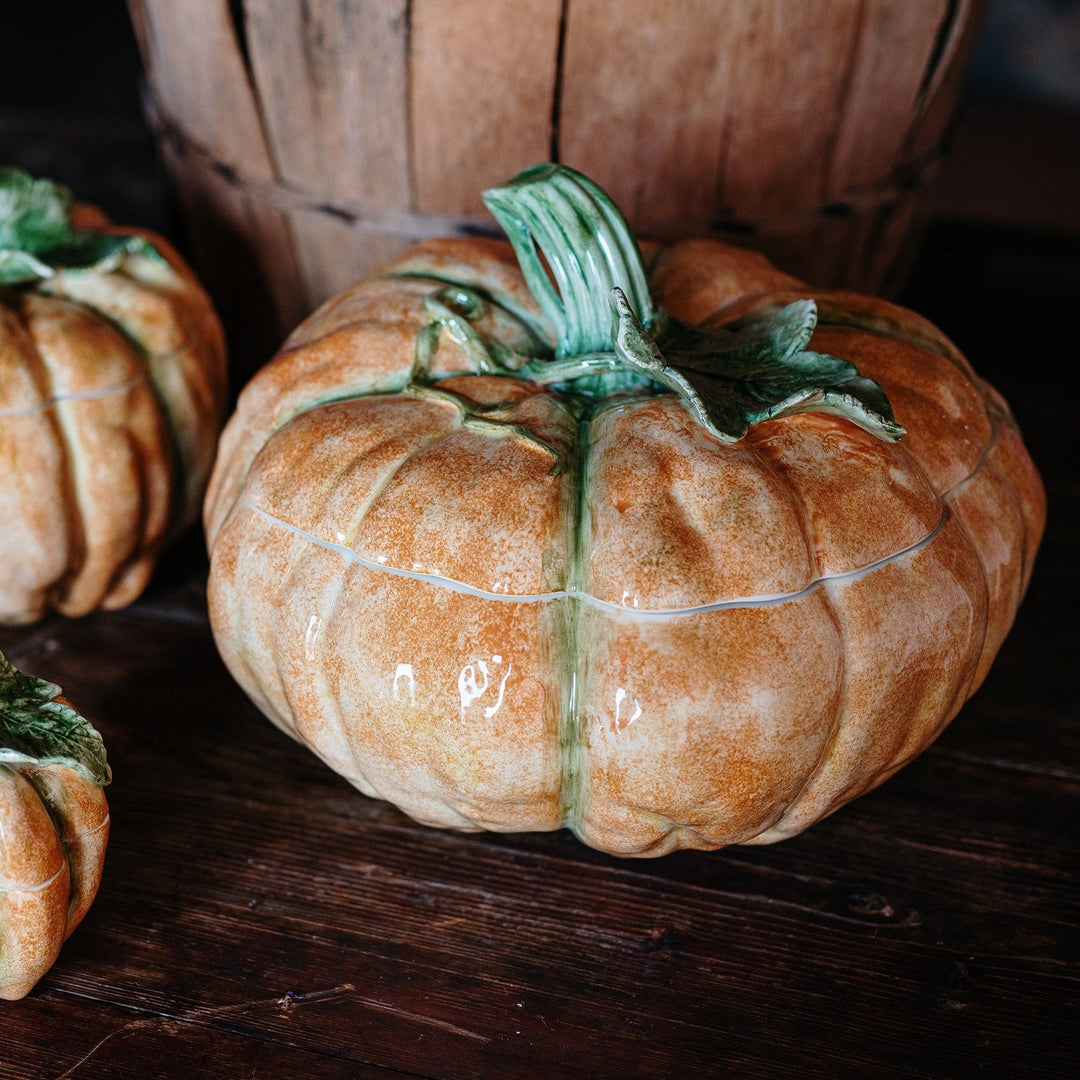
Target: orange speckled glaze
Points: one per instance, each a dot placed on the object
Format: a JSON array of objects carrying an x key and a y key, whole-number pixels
[
  {"x": 112, "y": 392},
  {"x": 54, "y": 827},
  {"x": 617, "y": 624}
]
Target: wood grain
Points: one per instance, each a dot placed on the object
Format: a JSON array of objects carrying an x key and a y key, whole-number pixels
[
  {"x": 887, "y": 72},
  {"x": 332, "y": 82},
  {"x": 482, "y": 80},
  {"x": 104, "y": 1042},
  {"x": 800, "y": 129},
  {"x": 661, "y": 163},
  {"x": 196, "y": 68},
  {"x": 254, "y": 876},
  {"x": 258, "y": 917}
]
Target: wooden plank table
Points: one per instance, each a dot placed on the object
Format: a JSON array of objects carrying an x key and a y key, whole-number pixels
[{"x": 259, "y": 918}]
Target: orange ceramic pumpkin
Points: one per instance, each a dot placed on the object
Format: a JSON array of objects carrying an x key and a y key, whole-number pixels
[
  {"x": 54, "y": 825},
  {"x": 615, "y": 543},
  {"x": 112, "y": 389}
]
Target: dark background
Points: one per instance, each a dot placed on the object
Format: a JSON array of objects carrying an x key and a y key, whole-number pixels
[
  {"x": 69, "y": 75},
  {"x": 69, "y": 108},
  {"x": 259, "y": 918}
]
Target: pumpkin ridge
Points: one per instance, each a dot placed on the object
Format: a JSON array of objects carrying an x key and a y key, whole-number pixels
[
  {"x": 170, "y": 421},
  {"x": 149, "y": 362},
  {"x": 359, "y": 776},
  {"x": 455, "y": 585},
  {"x": 1026, "y": 555},
  {"x": 825, "y": 753},
  {"x": 573, "y": 759},
  {"x": 7, "y": 890},
  {"x": 81, "y": 509},
  {"x": 57, "y": 591},
  {"x": 103, "y": 824},
  {"x": 822, "y": 761},
  {"x": 62, "y": 399},
  {"x": 1004, "y": 483},
  {"x": 530, "y": 320},
  {"x": 290, "y": 691},
  {"x": 755, "y": 600},
  {"x": 145, "y": 544},
  {"x": 128, "y": 328},
  {"x": 387, "y": 478},
  {"x": 917, "y": 332},
  {"x": 230, "y": 454},
  {"x": 983, "y": 460},
  {"x": 645, "y": 613},
  {"x": 43, "y": 594}
]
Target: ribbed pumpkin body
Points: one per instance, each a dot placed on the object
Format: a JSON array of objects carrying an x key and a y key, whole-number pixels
[
  {"x": 112, "y": 389},
  {"x": 54, "y": 826},
  {"x": 517, "y": 617}
]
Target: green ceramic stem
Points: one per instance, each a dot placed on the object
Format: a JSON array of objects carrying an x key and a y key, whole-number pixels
[
  {"x": 555, "y": 212},
  {"x": 582, "y": 264}
]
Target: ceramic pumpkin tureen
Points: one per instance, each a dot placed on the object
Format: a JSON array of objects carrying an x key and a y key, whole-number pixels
[
  {"x": 112, "y": 391},
  {"x": 54, "y": 825},
  {"x": 637, "y": 546}
]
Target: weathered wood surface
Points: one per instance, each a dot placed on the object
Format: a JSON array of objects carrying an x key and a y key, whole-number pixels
[
  {"x": 260, "y": 918},
  {"x": 246, "y": 258},
  {"x": 311, "y": 142}
]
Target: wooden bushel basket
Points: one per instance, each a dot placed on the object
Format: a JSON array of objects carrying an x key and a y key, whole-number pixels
[{"x": 311, "y": 141}]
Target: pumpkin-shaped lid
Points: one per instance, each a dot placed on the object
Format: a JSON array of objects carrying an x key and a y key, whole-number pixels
[
  {"x": 559, "y": 544},
  {"x": 586, "y": 440}
]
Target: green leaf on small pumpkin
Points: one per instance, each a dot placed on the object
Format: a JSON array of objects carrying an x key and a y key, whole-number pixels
[
  {"x": 37, "y": 239},
  {"x": 19, "y": 266},
  {"x": 759, "y": 369},
  {"x": 35, "y": 215},
  {"x": 37, "y": 729}
]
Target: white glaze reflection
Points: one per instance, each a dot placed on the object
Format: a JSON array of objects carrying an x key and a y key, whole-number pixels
[
  {"x": 472, "y": 687},
  {"x": 311, "y": 638},
  {"x": 405, "y": 671},
  {"x": 625, "y": 701}
]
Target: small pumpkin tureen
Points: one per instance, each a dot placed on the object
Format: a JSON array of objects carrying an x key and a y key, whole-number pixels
[
  {"x": 112, "y": 392},
  {"x": 54, "y": 825},
  {"x": 633, "y": 546}
]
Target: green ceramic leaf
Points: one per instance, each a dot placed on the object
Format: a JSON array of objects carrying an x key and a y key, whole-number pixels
[
  {"x": 731, "y": 378},
  {"x": 35, "y": 215},
  {"x": 37, "y": 729},
  {"x": 37, "y": 239},
  {"x": 581, "y": 262},
  {"x": 98, "y": 252},
  {"x": 19, "y": 266}
]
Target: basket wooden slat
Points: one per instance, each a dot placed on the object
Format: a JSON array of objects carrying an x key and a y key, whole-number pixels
[
  {"x": 332, "y": 85},
  {"x": 242, "y": 246},
  {"x": 482, "y": 78},
  {"x": 310, "y": 142}
]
